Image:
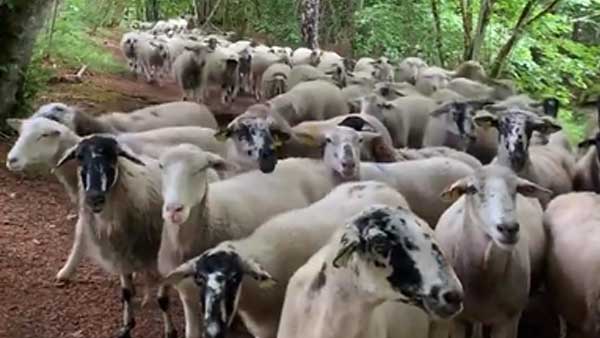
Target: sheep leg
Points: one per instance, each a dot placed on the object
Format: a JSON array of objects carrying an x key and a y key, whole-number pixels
[
  {"x": 76, "y": 254},
  {"x": 163, "y": 304},
  {"x": 509, "y": 329},
  {"x": 127, "y": 293},
  {"x": 257, "y": 88},
  {"x": 188, "y": 294}
]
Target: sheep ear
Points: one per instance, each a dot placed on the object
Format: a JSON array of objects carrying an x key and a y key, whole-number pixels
[
  {"x": 128, "y": 155},
  {"x": 223, "y": 134},
  {"x": 587, "y": 143},
  {"x": 182, "y": 272},
  {"x": 257, "y": 272},
  {"x": 485, "y": 119},
  {"x": 348, "y": 245},
  {"x": 68, "y": 156},
  {"x": 529, "y": 189},
  {"x": 551, "y": 106},
  {"x": 220, "y": 164},
  {"x": 548, "y": 125},
  {"x": 14, "y": 123},
  {"x": 455, "y": 190}
]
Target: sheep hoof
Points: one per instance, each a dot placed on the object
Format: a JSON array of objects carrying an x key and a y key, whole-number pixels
[{"x": 63, "y": 276}]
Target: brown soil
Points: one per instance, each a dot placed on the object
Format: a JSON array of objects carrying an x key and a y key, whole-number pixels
[{"x": 36, "y": 234}]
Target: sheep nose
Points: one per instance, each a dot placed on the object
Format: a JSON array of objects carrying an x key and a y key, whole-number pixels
[
  {"x": 11, "y": 161},
  {"x": 348, "y": 164},
  {"x": 508, "y": 229},
  {"x": 453, "y": 298},
  {"x": 174, "y": 207}
]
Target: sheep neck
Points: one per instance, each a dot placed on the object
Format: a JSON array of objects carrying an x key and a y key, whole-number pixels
[
  {"x": 67, "y": 173},
  {"x": 194, "y": 235},
  {"x": 343, "y": 296},
  {"x": 483, "y": 262}
]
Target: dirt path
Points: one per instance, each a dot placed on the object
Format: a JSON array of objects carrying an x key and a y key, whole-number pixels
[{"x": 35, "y": 234}]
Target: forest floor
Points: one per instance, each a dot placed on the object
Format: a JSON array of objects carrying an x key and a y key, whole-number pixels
[{"x": 36, "y": 232}]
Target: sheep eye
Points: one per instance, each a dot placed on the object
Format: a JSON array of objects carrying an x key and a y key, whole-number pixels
[
  {"x": 161, "y": 166},
  {"x": 328, "y": 140},
  {"x": 360, "y": 140}
]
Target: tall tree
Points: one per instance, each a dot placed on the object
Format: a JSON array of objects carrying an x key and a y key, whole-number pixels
[
  {"x": 485, "y": 13},
  {"x": 466, "y": 12},
  {"x": 152, "y": 10},
  {"x": 525, "y": 20},
  {"x": 309, "y": 23},
  {"x": 21, "y": 22},
  {"x": 438, "y": 32}
]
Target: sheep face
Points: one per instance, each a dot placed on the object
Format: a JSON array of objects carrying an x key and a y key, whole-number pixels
[
  {"x": 58, "y": 112},
  {"x": 342, "y": 151},
  {"x": 431, "y": 79},
  {"x": 184, "y": 180},
  {"x": 459, "y": 119},
  {"x": 256, "y": 140},
  {"x": 219, "y": 273},
  {"x": 490, "y": 197},
  {"x": 97, "y": 157},
  {"x": 38, "y": 143},
  {"x": 515, "y": 128},
  {"x": 375, "y": 106},
  {"x": 395, "y": 258},
  {"x": 409, "y": 69}
]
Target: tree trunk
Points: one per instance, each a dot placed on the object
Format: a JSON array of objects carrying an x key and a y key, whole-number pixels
[
  {"x": 485, "y": 13},
  {"x": 466, "y": 12},
  {"x": 438, "y": 32},
  {"x": 523, "y": 22},
  {"x": 309, "y": 23},
  {"x": 152, "y": 10},
  {"x": 21, "y": 21}
]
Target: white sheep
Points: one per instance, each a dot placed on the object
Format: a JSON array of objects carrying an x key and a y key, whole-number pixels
[
  {"x": 273, "y": 252},
  {"x": 275, "y": 80},
  {"x": 198, "y": 215},
  {"x": 350, "y": 287},
  {"x": 495, "y": 240},
  {"x": 152, "y": 117}
]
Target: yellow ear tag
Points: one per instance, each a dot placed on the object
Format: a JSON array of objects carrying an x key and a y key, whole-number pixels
[{"x": 268, "y": 283}]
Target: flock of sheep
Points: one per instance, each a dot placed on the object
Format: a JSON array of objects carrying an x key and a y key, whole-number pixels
[{"x": 360, "y": 199}]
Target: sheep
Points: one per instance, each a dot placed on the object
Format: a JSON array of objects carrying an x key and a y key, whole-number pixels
[
  {"x": 260, "y": 62},
  {"x": 494, "y": 238},
  {"x": 472, "y": 70},
  {"x": 305, "y": 56},
  {"x": 275, "y": 80},
  {"x": 408, "y": 69},
  {"x": 315, "y": 131},
  {"x": 408, "y": 154},
  {"x": 245, "y": 70},
  {"x": 471, "y": 89},
  {"x": 120, "y": 205},
  {"x": 446, "y": 95},
  {"x": 153, "y": 56},
  {"x": 419, "y": 181},
  {"x": 587, "y": 175},
  {"x": 380, "y": 68},
  {"x": 353, "y": 95},
  {"x": 313, "y": 100},
  {"x": 393, "y": 90},
  {"x": 305, "y": 73},
  {"x": 452, "y": 124},
  {"x": 549, "y": 166},
  {"x": 163, "y": 115},
  {"x": 130, "y": 49},
  {"x": 572, "y": 223},
  {"x": 431, "y": 79},
  {"x": 333, "y": 64},
  {"x": 220, "y": 70},
  {"x": 42, "y": 142},
  {"x": 187, "y": 70},
  {"x": 199, "y": 215},
  {"x": 405, "y": 117},
  {"x": 339, "y": 291},
  {"x": 270, "y": 253}
]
